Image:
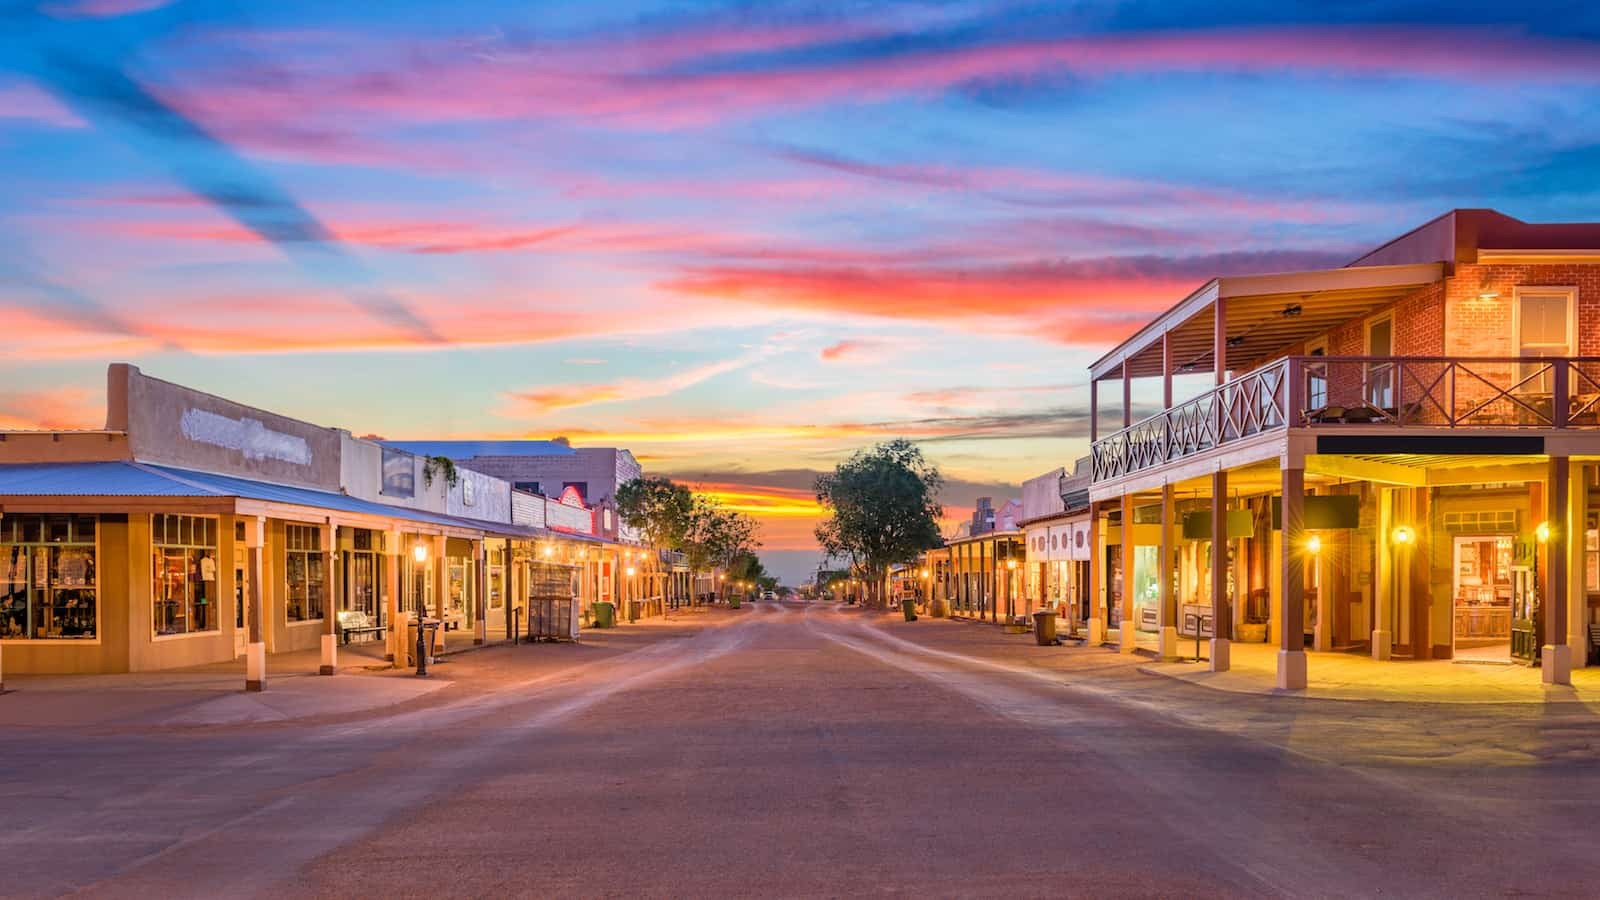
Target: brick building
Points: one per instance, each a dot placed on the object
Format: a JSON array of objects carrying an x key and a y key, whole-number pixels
[{"x": 1399, "y": 456}]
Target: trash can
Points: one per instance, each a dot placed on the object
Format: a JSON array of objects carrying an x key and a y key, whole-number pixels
[
  {"x": 908, "y": 607},
  {"x": 733, "y": 601},
  {"x": 605, "y": 614},
  {"x": 1044, "y": 627}
]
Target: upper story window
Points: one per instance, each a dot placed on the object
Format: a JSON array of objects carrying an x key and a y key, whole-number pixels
[
  {"x": 1545, "y": 326},
  {"x": 183, "y": 569},
  {"x": 47, "y": 577}
]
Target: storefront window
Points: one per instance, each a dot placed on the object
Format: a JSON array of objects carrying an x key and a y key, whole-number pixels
[
  {"x": 47, "y": 577},
  {"x": 497, "y": 577},
  {"x": 303, "y": 572},
  {"x": 184, "y": 574},
  {"x": 457, "y": 586},
  {"x": 362, "y": 571}
]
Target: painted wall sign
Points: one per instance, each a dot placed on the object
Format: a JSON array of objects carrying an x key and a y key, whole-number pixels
[
  {"x": 248, "y": 436},
  {"x": 399, "y": 474}
]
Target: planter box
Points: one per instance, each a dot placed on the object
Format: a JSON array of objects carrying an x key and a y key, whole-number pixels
[{"x": 1253, "y": 633}]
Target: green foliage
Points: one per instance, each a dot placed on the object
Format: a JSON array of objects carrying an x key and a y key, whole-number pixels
[
  {"x": 883, "y": 508},
  {"x": 433, "y": 466},
  {"x": 657, "y": 506}
]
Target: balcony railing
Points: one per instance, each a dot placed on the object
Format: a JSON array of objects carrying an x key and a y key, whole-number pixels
[{"x": 1333, "y": 391}]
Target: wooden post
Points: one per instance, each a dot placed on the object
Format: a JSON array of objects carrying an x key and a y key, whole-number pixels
[
  {"x": 1164, "y": 563},
  {"x": 1219, "y": 340},
  {"x": 441, "y": 590},
  {"x": 391, "y": 597},
  {"x": 1166, "y": 370},
  {"x": 1292, "y": 642},
  {"x": 1127, "y": 395},
  {"x": 1420, "y": 578},
  {"x": 1221, "y": 609},
  {"x": 330, "y": 599},
  {"x": 1094, "y": 409},
  {"x": 480, "y": 606},
  {"x": 1099, "y": 596},
  {"x": 1556, "y": 656},
  {"x": 255, "y": 676},
  {"x": 1127, "y": 631}
]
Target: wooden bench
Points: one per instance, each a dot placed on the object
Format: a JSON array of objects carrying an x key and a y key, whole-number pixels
[{"x": 356, "y": 622}]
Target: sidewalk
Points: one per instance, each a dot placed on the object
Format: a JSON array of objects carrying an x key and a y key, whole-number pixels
[{"x": 1349, "y": 676}]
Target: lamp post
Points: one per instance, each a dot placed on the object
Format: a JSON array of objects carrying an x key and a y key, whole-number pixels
[{"x": 420, "y": 554}]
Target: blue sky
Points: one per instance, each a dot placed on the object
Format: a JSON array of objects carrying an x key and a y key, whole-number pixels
[{"x": 742, "y": 239}]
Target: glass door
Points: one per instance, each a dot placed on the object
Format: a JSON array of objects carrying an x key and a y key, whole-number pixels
[
  {"x": 1380, "y": 374},
  {"x": 241, "y": 595}
]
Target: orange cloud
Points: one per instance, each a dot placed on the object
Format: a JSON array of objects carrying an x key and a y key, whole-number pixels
[{"x": 52, "y": 409}]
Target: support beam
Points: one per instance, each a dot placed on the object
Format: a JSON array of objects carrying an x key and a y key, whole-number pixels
[
  {"x": 1127, "y": 396},
  {"x": 1577, "y": 585},
  {"x": 1164, "y": 565},
  {"x": 1099, "y": 597},
  {"x": 255, "y": 653},
  {"x": 1221, "y": 609},
  {"x": 1385, "y": 599},
  {"x": 441, "y": 584},
  {"x": 480, "y": 598},
  {"x": 1127, "y": 631},
  {"x": 1094, "y": 410},
  {"x": 332, "y": 589},
  {"x": 1219, "y": 339},
  {"x": 1556, "y": 656},
  {"x": 392, "y": 549},
  {"x": 1166, "y": 370},
  {"x": 1291, "y": 608}
]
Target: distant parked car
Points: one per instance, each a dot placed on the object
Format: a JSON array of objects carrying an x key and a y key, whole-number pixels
[{"x": 769, "y": 595}]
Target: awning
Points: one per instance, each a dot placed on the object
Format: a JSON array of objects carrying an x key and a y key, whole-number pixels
[
  {"x": 133, "y": 479},
  {"x": 1262, "y": 315}
]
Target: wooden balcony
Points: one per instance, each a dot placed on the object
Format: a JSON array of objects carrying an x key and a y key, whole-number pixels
[{"x": 1331, "y": 392}]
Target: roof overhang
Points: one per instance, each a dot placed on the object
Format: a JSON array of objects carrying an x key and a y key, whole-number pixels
[{"x": 1262, "y": 314}]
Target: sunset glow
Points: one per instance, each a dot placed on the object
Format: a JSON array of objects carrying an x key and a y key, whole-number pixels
[{"x": 742, "y": 240}]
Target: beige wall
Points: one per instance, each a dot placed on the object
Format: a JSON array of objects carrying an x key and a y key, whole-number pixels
[{"x": 81, "y": 446}]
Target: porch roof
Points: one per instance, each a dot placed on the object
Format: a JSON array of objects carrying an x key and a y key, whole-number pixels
[
  {"x": 134, "y": 479},
  {"x": 1262, "y": 314}
]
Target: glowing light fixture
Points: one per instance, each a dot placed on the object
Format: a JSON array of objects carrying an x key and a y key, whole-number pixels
[
  {"x": 549, "y": 550},
  {"x": 1011, "y": 564},
  {"x": 924, "y": 573},
  {"x": 1542, "y": 532},
  {"x": 1314, "y": 544},
  {"x": 630, "y": 571},
  {"x": 1402, "y": 535},
  {"x": 420, "y": 552}
]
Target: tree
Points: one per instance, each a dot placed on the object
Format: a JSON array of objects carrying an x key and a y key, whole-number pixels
[
  {"x": 883, "y": 509},
  {"x": 658, "y": 507}
]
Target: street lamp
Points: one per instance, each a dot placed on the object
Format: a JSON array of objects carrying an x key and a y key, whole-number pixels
[{"x": 419, "y": 552}]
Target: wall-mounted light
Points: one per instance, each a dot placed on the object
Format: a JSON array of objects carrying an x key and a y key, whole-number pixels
[
  {"x": 924, "y": 573},
  {"x": 1314, "y": 544},
  {"x": 1402, "y": 535},
  {"x": 1541, "y": 533},
  {"x": 630, "y": 571},
  {"x": 1011, "y": 564},
  {"x": 420, "y": 553}
]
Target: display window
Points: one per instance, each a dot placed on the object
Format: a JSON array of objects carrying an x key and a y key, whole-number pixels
[
  {"x": 47, "y": 577},
  {"x": 304, "y": 574},
  {"x": 183, "y": 569}
]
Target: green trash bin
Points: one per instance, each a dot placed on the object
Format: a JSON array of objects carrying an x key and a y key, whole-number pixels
[
  {"x": 908, "y": 608},
  {"x": 733, "y": 601},
  {"x": 605, "y": 614}
]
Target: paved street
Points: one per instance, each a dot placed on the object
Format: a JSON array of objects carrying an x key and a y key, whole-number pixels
[{"x": 805, "y": 751}]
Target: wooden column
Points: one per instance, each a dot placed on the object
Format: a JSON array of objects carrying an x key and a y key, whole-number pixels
[
  {"x": 331, "y": 584},
  {"x": 1164, "y": 560},
  {"x": 1219, "y": 340},
  {"x": 1099, "y": 604},
  {"x": 480, "y": 605},
  {"x": 392, "y": 548},
  {"x": 1094, "y": 409},
  {"x": 1556, "y": 655},
  {"x": 1419, "y": 576},
  {"x": 1128, "y": 628},
  {"x": 1292, "y": 642},
  {"x": 1166, "y": 370},
  {"x": 1221, "y": 609},
  {"x": 441, "y": 582},
  {"x": 255, "y": 654},
  {"x": 1127, "y": 395},
  {"x": 1577, "y": 584}
]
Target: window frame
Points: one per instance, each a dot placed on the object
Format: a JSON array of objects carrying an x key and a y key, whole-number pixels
[
  {"x": 185, "y": 544},
  {"x": 321, "y": 553},
  {"x": 28, "y": 572}
]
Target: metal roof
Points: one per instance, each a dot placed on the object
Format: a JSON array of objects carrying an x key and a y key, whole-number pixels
[
  {"x": 91, "y": 479},
  {"x": 470, "y": 449},
  {"x": 132, "y": 479}
]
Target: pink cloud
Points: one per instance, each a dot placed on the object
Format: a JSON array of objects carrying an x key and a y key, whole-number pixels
[
  {"x": 26, "y": 101},
  {"x": 52, "y": 409},
  {"x": 102, "y": 9}
]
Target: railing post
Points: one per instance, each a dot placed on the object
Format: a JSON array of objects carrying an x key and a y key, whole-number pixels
[
  {"x": 1561, "y": 395},
  {"x": 1294, "y": 396}
]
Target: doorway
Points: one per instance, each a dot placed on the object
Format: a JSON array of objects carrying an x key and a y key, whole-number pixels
[
  {"x": 1482, "y": 589},
  {"x": 241, "y": 594}
]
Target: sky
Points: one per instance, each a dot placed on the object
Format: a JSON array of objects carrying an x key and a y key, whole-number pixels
[{"x": 742, "y": 239}]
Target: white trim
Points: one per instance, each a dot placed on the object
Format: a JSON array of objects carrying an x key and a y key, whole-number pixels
[{"x": 1572, "y": 314}]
